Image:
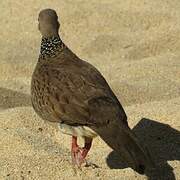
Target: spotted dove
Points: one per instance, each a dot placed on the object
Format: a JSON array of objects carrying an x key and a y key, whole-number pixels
[{"x": 73, "y": 93}]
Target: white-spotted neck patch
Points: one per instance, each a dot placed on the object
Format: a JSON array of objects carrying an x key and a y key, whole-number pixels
[{"x": 50, "y": 46}]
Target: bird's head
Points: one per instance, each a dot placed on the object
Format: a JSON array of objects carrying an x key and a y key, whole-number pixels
[{"x": 48, "y": 23}]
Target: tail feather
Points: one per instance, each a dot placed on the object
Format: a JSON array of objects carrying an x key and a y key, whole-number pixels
[{"x": 125, "y": 142}]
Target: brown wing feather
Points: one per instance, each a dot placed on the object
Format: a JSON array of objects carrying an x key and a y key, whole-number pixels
[{"x": 68, "y": 90}]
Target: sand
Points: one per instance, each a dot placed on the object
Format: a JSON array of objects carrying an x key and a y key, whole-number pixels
[{"x": 136, "y": 46}]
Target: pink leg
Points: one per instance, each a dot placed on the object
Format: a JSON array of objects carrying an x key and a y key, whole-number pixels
[
  {"x": 78, "y": 154},
  {"x": 74, "y": 149}
]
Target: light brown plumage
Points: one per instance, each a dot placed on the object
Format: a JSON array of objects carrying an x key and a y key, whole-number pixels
[{"x": 72, "y": 92}]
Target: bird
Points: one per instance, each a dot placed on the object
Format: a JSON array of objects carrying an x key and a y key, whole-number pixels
[{"x": 72, "y": 93}]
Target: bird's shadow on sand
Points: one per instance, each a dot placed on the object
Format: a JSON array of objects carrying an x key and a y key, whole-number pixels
[
  {"x": 163, "y": 143},
  {"x": 11, "y": 99}
]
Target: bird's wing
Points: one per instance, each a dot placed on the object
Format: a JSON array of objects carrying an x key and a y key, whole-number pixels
[{"x": 73, "y": 90}]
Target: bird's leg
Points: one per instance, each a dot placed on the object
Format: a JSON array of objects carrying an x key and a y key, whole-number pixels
[
  {"x": 86, "y": 148},
  {"x": 74, "y": 149},
  {"x": 78, "y": 154}
]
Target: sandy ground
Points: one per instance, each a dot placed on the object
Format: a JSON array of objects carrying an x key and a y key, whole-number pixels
[{"x": 136, "y": 46}]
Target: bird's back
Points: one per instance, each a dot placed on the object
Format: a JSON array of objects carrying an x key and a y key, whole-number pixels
[{"x": 62, "y": 87}]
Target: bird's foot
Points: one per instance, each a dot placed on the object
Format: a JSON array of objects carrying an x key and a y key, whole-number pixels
[
  {"x": 90, "y": 164},
  {"x": 78, "y": 154}
]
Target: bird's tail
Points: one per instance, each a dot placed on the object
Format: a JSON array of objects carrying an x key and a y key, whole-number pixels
[{"x": 125, "y": 142}]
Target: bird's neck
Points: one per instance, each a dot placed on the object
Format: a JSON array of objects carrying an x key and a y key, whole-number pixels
[{"x": 51, "y": 46}]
